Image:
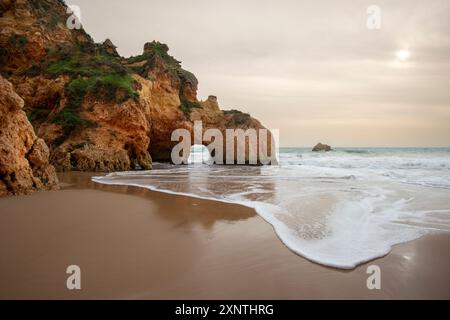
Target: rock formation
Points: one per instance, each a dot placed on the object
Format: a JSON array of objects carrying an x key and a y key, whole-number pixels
[
  {"x": 24, "y": 158},
  {"x": 110, "y": 48},
  {"x": 96, "y": 110},
  {"x": 321, "y": 147}
]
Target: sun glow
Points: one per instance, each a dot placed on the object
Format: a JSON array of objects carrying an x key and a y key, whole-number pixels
[{"x": 403, "y": 55}]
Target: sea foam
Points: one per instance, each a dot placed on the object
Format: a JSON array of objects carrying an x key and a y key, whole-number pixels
[{"x": 339, "y": 209}]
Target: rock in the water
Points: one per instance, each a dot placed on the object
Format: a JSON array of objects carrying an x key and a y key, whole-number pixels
[
  {"x": 24, "y": 165},
  {"x": 321, "y": 147}
]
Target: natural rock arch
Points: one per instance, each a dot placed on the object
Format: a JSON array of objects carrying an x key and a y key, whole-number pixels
[{"x": 211, "y": 117}]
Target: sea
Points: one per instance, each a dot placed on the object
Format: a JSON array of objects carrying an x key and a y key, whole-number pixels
[{"x": 339, "y": 209}]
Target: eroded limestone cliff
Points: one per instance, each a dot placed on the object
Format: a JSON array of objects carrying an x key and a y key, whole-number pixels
[
  {"x": 24, "y": 158},
  {"x": 96, "y": 110}
]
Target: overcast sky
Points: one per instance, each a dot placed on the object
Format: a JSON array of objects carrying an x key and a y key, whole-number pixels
[{"x": 309, "y": 68}]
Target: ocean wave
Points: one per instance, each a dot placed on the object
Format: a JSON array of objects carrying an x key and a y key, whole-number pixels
[
  {"x": 356, "y": 151},
  {"x": 332, "y": 215}
]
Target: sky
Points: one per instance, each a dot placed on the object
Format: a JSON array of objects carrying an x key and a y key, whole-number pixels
[{"x": 312, "y": 69}]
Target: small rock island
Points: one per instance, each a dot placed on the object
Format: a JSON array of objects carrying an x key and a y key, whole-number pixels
[{"x": 321, "y": 147}]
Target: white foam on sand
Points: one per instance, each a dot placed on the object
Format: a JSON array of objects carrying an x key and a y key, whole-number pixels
[{"x": 335, "y": 216}]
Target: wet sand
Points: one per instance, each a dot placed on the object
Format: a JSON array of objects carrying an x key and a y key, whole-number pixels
[{"x": 133, "y": 243}]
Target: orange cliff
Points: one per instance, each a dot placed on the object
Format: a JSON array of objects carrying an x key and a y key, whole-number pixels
[
  {"x": 98, "y": 111},
  {"x": 24, "y": 158}
]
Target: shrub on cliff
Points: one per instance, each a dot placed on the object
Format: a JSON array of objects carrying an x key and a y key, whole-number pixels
[
  {"x": 94, "y": 74},
  {"x": 237, "y": 116},
  {"x": 69, "y": 118},
  {"x": 101, "y": 75},
  {"x": 18, "y": 40},
  {"x": 186, "y": 106},
  {"x": 37, "y": 116}
]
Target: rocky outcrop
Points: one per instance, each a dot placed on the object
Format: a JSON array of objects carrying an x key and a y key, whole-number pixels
[
  {"x": 96, "y": 110},
  {"x": 110, "y": 48},
  {"x": 24, "y": 158},
  {"x": 171, "y": 96},
  {"x": 321, "y": 147},
  {"x": 30, "y": 28},
  {"x": 116, "y": 140}
]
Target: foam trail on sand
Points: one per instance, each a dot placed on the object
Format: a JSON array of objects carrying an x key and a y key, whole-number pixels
[{"x": 338, "y": 209}]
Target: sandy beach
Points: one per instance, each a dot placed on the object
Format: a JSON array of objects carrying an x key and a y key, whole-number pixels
[{"x": 132, "y": 243}]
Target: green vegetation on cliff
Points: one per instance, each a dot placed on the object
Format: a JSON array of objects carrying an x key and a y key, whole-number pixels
[
  {"x": 154, "y": 52},
  {"x": 93, "y": 73},
  {"x": 155, "y": 49},
  {"x": 186, "y": 106},
  {"x": 37, "y": 116},
  {"x": 238, "y": 117},
  {"x": 98, "y": 74},
  {"x": 18, "y": 40}
]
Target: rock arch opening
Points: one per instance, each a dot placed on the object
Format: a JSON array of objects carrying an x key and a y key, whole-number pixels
[{"x": 199, "y": 154}]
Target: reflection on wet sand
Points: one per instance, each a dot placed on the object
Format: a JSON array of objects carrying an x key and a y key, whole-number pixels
[{"x": 193, "y": 214}]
